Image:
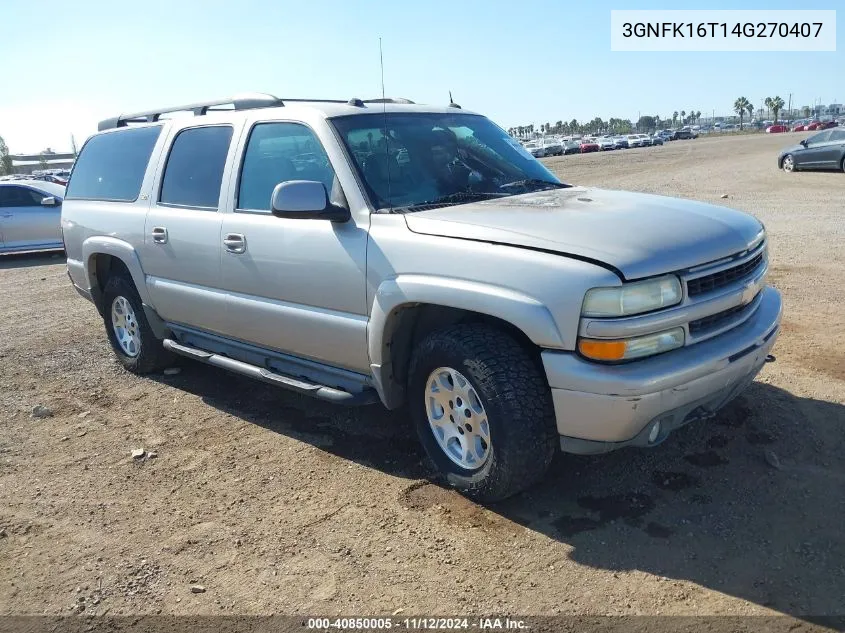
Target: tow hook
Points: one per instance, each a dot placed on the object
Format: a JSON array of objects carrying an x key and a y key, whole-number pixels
[{"x": 770, "y": 358}]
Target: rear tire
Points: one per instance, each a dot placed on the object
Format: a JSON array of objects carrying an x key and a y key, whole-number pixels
[
  {"x": 128, "y": 330},
  {"x": 510, "y": 434}
]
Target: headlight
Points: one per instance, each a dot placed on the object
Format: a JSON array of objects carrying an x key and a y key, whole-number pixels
[
  {"x": 633, "y": 298},
  {"x": 631, "y": 348}
]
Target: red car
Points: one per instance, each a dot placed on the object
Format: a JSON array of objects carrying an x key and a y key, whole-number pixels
[
  {"x": 774, "y": 129},
  {"x": 589, "y": 146},
  {"x": 828, "y": 124},
  {"x": 810, "y": 127},
  {"x": 798, "y": 128}
]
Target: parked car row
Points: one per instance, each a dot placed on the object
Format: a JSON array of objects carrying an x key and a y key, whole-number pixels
[{"x": 577, "y": 144}]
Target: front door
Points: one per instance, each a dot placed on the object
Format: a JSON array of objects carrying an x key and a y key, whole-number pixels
[
  {"x": 181, "y": 252},
  {"x": 813, "y": 155},
  {"x": 294, "y": 285}
]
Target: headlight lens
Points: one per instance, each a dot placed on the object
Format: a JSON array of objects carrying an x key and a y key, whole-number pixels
[
  {"x": 632, "y": 348},
  {"x": 632, "y": 298}
]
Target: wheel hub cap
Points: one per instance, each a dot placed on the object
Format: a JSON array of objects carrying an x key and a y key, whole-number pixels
[
  {"x": 125, "y": 326},
  {"x": 457, "y": 418}
]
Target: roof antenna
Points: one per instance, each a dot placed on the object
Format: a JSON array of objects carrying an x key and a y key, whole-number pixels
[
  {"x": 452, "y": 103},
  {"x": 385, "y": 132}
]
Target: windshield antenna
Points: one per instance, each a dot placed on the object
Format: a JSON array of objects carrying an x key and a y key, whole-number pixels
[{"x": 386, "y": 135}]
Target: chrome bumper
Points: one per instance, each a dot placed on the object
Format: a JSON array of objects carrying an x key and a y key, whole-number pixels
[{"x": 603, "y": 407}]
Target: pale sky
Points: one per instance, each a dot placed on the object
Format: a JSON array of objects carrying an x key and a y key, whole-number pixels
[{"x": 74, "y": 62}]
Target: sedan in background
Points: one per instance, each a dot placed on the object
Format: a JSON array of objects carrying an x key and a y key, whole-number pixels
[
  {"x": 657, "y": 140},
  {"x": 823, "y": 150},
  {"x": 588, "y": 145},
  {"x": 552, "y": 146},
  {"x": 536, "y": 148},
  {"x": 606, "y": 143},
  {"x": 777, "y": 129},
  {"x": 621, "y": 142},
  {"x": 571, "y": 146},
  {"x": 634, "y": 140},
  {"x": 30, "y": 216}
]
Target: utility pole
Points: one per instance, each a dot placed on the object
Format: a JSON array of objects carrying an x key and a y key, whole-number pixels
[{"x": 789, "y": 110}]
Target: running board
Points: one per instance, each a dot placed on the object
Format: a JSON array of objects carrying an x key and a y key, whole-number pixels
[{"x": 330, "y": 394}]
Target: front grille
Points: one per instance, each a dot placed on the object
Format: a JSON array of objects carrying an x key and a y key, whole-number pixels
[
  {"x": 714, "y": 320},
  {"x": 714, "y": 281}
]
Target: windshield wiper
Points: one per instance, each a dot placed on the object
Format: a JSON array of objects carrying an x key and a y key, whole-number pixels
[
  {"x": 535, "y": 182},
  {"x": 460, "y": 197}
]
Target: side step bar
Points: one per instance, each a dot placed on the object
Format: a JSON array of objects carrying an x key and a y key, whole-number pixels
[{"x": 367, "y": 396}]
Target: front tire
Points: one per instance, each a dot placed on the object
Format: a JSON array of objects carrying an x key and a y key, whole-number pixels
[
  {"x": 788, "y": 164},
  {"x": 483, "y": 411},
  {"x": 128, "y": 330}
]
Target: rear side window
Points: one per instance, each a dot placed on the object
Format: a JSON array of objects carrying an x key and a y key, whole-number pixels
[
  {"x": 837, "y": 135},
  {"x": 112, "y": 166},
  {"x": 194, "y": 168}
]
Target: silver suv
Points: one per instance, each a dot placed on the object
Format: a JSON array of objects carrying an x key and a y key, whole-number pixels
[{"x": 382, "y": 251}]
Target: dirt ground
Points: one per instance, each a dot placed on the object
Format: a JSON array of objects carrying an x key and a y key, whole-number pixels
[{"x": 278, "y": 504}]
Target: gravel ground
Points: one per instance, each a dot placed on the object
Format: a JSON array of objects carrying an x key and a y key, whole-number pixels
[{"x": 250, "y": 500}]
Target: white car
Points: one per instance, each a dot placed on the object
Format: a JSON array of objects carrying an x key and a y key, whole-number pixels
[
  {"x": 606, "y": 143},
  {"x": 645, "y": 140},
  {"x": 536, "y": 148},
  {"x": 634, "y": 140},
  {"x": 552, "y": 146}
]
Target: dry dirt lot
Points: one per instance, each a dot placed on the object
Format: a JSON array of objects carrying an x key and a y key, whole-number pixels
[{"x": 278, "y": 504}]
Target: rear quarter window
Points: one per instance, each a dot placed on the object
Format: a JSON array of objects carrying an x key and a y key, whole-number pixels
[{"x": 112, "y": 166}]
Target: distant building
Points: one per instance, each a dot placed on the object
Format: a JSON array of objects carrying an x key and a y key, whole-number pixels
[{"x": 28, "y": 163}]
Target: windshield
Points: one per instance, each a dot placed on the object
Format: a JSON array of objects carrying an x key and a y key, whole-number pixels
[{"x": 414, "y": 161}]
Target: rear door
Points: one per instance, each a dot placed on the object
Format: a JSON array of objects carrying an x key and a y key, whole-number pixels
[
  {"x": 25, "y": 223},
  {"x": 181, "y": 250}
]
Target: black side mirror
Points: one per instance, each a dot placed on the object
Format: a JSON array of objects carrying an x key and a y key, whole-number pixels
[
  {"x": 803, "y": 142},
  {"x": 307, "y": 200}
]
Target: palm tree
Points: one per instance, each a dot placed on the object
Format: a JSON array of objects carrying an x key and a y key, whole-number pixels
[
  {"x": 674, "y": 118},
  {"x": 768, "y": 103},
  {"x": 740, "y": 106},
  {"x": 750, "y": 108},
  {"x": 683, "y": 115},
  {"x": 698, "y": 116},
  {"x": 559, "y": 127},
  {"x": 777, "y": 106}
]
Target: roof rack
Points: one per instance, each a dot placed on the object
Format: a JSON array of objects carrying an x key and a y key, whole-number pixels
[{"x": 248, "y": 101}]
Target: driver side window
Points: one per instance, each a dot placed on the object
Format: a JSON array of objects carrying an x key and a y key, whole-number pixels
[
  {"x": 821, "y": 137},
  {"x": 278, "y": 152}
]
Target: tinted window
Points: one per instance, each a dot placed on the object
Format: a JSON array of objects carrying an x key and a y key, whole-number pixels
[
  {"x": 837, "y": 135},
  {"x": 194, "y": 167},
  {"x": 112, "y": 166},
  {"x": 418, "y": 160},
  {"x": 19, "y": 197},
  {"x": 821, "y": 137},
  {"x": 277, "y": 152}
]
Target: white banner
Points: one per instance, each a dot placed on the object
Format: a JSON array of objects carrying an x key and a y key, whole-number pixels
[{"x": 723, "y": 30}]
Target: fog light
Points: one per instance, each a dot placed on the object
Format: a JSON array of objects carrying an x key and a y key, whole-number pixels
[{"x": 654, "y": 432}]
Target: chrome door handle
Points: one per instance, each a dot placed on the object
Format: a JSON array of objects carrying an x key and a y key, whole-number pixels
[
  {"x": 159, "y": 235},
  {"x": 235, "y": 243}
]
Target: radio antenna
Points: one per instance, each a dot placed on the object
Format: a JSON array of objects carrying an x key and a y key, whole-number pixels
[{"x": 385, "y": 132}]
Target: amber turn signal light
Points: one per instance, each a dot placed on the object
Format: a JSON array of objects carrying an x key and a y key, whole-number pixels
[{"x": 602, "y": 350}]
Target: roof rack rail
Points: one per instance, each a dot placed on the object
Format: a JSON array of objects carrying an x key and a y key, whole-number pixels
[
  {"x": 239, "y": 102},
  {"x": 249, "y": 101}
]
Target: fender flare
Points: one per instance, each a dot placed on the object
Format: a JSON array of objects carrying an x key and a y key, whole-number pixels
[
  {"x": 126, "y": 253},
  {"x": 522, "y": 311}
]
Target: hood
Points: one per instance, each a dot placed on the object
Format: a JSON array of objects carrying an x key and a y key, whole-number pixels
[
  {"x": 640, "y": 235},
  {"x": 791, "y": 149}
]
